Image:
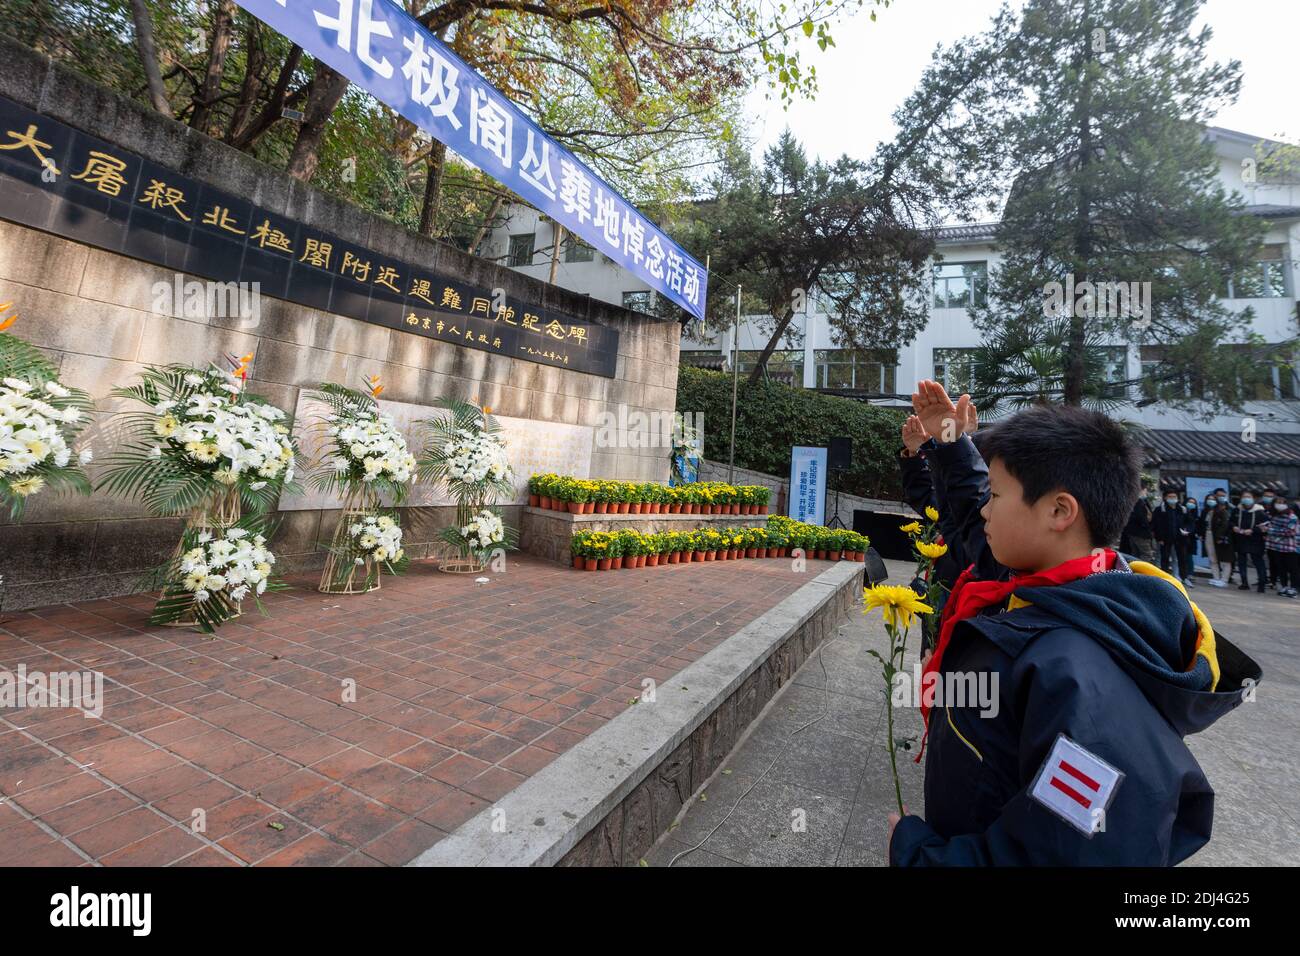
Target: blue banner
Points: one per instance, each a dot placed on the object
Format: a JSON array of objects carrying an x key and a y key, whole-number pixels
[
  {"x": 808, "y": 484},
  {"x": 386, "y": 52}
]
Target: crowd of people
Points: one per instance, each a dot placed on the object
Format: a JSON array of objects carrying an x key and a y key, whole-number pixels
[{"x": 1232, "y": 535}]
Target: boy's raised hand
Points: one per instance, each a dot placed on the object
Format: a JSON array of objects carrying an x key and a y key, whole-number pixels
[
  {"x": 914, "y": 435},
  {"x": 942, "y": 420}
]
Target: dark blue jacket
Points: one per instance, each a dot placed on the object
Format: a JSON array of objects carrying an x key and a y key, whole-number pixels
[
  {"x": 1102, "y": 660},
  {"x": 959, "y": 470},
  {"x": 1165, "y": 522}
]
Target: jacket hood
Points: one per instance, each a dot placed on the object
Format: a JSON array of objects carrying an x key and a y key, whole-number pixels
[{"x": 1145, "y": 619}]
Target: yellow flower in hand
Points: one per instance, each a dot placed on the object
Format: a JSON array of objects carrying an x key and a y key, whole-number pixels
[
  {"x": 897, "y": 604},
  {"x": 931, "y": 513},
  {"x": 931, "y": 551},
  {"x": 912, "y": 527}
]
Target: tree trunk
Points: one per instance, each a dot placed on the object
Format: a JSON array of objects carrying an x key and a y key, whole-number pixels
[
  {"x": 326, "y": 89},
  {"x": 248, "y": 93},
  {"x": 1077, "y": 339},
  {"x": 555, "y": 250},
  {"x": 761, "y": 365},
  {"x": 149, "y": 57},
  {"x": 433, "y": 187},
  {"x": 273, "y": 112},
  {"x": 487, "y": 224},
  {"x": 222, "y": 29}
]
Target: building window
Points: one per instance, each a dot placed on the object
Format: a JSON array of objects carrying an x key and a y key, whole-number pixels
[
  {"x": 960, "y": 285},
  {"x": 521, "y": 250},
  {"x": 638, "y": 301},
  {"x": 1187, "y": 384},
  {"x": 863, "y": 370},
  {"x": 1265, "y": 279},
  {"x": 783, "y": 365},
  {"x": 1114, "y": 370},
  {"x": 955, "y": 370},
  {"x": 575, "y": 250},
  {"x": 701, "y": 358}
]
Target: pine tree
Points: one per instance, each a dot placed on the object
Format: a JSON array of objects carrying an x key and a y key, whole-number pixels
[{"x": 1112, "y": 182}]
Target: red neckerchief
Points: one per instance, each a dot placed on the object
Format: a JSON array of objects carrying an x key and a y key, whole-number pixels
[{"x": 970, "y": 596}]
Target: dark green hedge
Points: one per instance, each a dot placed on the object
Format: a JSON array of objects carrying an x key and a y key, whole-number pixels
[{"x": 771, "y": 417}]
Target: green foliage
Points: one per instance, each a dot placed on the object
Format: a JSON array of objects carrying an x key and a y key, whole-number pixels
[{"x": 771, "y": 418}]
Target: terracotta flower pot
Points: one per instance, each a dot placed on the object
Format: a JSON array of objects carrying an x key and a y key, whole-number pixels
[
  {"x": 588, "y": 507},
  {"x": 601, "y": 506},
  {"x": 751, "y": 552},
  {"x": 575, "y": 507},
  {"x": 652, "y": 560},
  {"x": 622, "y": 507},
  {"x": 819, "y": 555},
  {"x": 762, "y": 509},
  {"x": 762, "y": 552},
  {"x": 616, "y": 563},
  {"x": 534, "y": 500},
  {"x": 634, "y": 508},
  {"x": 577, "y": 560},
  {"x": 591, "y": 564},
  {"x": 862, "y": 556},
  {"x": 697, "y": 555},
  {"x": 604, "y": 563},
  {"x": 544, "y": 501},
  {"x": 674, "y": 508},
  {"x": 737, "y": 553}
]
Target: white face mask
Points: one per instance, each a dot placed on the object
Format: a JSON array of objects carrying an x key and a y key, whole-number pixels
[
  {"x": 1280, "y": 505},
  {"x": 1247, "y": 502},
  {"x": 1171, "y": 502}
]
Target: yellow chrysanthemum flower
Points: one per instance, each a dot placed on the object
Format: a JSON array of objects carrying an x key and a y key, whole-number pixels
[
  {"x": 912, "y": 527},
  {"x": 931, "y": 551},
  {"x": 931, "y": 513},
  {"x": 897, "y": 604}
]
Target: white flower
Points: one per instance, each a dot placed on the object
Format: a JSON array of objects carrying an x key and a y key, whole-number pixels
[
  {"x": 57, "y": 390},
  {"x": 195, "y": 380},
  {"x": 85, "y": 456},
  {"x": 18, "y": 385}
]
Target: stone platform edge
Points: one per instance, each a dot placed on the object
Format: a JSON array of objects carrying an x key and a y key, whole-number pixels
[{"x": 606, "y": 801}]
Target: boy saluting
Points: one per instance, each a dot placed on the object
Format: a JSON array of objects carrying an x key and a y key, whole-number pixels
[{"x": 1102, "y": 666}]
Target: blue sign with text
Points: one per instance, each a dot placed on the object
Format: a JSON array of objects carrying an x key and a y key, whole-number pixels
[
  {"x": 808, "y": 484},
  {"x": 386, "y": 52}
]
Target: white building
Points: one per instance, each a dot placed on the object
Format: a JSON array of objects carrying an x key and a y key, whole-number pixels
[{"x": 1184, "y": 443}]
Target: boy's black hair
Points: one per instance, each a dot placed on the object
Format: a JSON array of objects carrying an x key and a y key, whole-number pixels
[{"x": 1061, "y": 447}]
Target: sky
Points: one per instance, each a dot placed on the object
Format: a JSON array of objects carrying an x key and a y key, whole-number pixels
[{"x": 874, "y": 66}]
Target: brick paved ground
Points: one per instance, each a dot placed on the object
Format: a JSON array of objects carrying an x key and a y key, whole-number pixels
[{"x": 463, "y": 690}]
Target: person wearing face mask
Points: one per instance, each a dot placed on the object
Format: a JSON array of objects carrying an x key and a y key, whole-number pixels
[
  {"x": 1265, "y": 501},
  {"x": 1219, "y": 541},
  {"x": 1249, "y": 522},
  {"x": 1189, "y": 530},
  {"x": 1166, "y": 521},
  {"x": 1137, "y": 539},
  {"x": 1280, "y": 544}
]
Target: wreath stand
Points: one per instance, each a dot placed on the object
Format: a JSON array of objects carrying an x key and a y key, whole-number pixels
[
  {"x": 332, "y": 581},
  {"x": 462, "y": 560},
  {"x": 218, "y": 514}
]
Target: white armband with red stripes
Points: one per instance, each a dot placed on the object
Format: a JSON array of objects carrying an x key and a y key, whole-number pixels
[{"x": 1077, "y": 786}]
